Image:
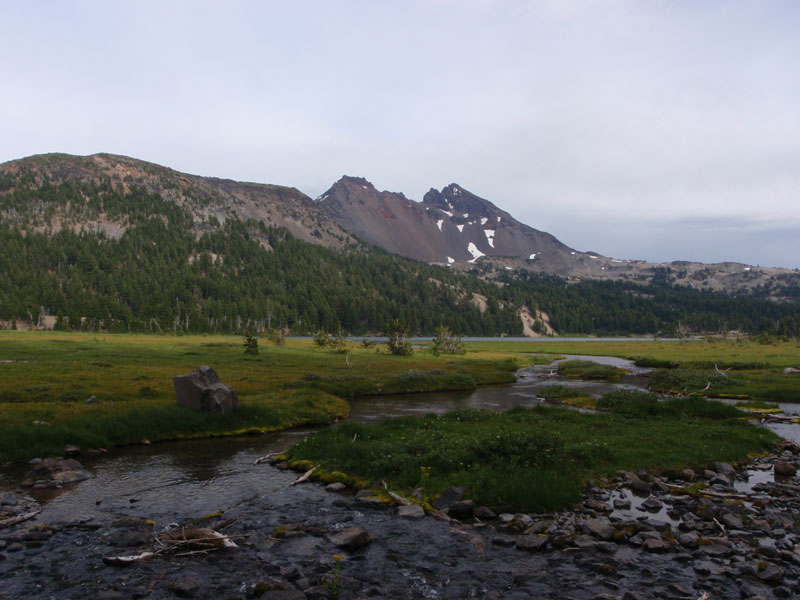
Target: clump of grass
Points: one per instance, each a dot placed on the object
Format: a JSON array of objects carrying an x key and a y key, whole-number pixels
[
  {"x": 636, "y": 403},
  {"x": 531, "y": 459},
  {"x": 587, "y": 369},
  {"x": 654, "y": 363},
  {"x": 691, "y": 380},
  {"x": 411, "y": 381},
  {"x": 558, "y": 392}
]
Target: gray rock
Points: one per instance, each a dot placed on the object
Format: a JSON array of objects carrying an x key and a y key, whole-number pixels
[
  {"x": 784, "y": 469},
  {"x": 652, "y": 504},
  {"x": 202, "y": 390},
  {"x": 655, "y": 545},
  {"x": 689, "y": 540},
  {"x": 599, "y": 528},
  {"x": 597, "y": 505},
  {"x": 531, "y": 543},
  {"x": 71, "y": 450},
  {"x": 732, "y": 521},
  {"x": 412, "y": 511},
  {"x": 448, "y": 498},
  {"x": 463, "y": 509},
  {"x": 724, "y": 468},
  {"x": 58, "y": 471},
  {"x": 771, "y": 573},
  {"x": 639, "y": 486},
  {"x": 336, "y": 486},
  {"x": 8, "y": 499},
  {"x": 584, "y": 541},
  {"x": 789, "y": 370},
  {"x": 484, "y": 513},
  {"x": 352, "y": 538},
  {"x": 717, "y": 550},
  {"x": 641, "y": 537},
  {"x": 688, "y": 474},
  {"x": 15, "y": 547}
]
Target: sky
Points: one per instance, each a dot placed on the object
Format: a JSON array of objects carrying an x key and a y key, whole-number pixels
[{"x": 650, "y": 129}]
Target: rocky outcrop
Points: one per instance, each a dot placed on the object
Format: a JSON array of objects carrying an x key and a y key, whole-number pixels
[{"x": 202, "y": 390}]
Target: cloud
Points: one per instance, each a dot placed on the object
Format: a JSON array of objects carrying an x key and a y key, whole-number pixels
[{"x": 653, "y": 114}]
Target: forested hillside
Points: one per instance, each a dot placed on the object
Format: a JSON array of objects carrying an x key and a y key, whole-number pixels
[{"x": 98, "y": 252}]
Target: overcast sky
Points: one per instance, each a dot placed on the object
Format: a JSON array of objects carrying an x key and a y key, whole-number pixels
[{"x": 662, "y": 130}]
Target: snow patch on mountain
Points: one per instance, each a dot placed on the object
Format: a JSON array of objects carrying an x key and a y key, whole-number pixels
[
  {"x": 489, "y": 236},
  {"x": 473, "y": 249}
]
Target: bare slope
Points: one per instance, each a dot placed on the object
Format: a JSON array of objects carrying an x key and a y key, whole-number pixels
[{"x": 210, "y": 200}]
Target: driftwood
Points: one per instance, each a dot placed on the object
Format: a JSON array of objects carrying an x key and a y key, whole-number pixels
[
  {"x": 723, "y": 373},
  {"x": 399, "y": 499},
  {"x": 721, "y": 526},
  {"x": 18, "y": 519},
  {"x": 710, "y": 492},
  {"x": 199, "y": 537},
  {"x": 266, "y": 457},
  {"x": 121, "y": 561},
  {"x": 303, "y": 477},
  {"x": 196, "y": 540}
]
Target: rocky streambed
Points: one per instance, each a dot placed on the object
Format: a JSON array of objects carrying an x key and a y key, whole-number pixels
[{"x": 723, "y": 533}]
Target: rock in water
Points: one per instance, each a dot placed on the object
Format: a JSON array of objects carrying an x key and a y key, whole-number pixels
[
  {"x": 785, "y": 469},
  {"x": 202, "y": 390},
  {"x": 58, "y": 471},
  {"x": 352, "y": 538}
]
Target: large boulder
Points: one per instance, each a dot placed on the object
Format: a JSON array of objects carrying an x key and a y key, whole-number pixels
[{"x": 202, "y": 390}]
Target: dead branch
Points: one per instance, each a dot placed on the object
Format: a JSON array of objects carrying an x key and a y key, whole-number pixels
[
  {"x": 721, "y": 526},
  {"x": 266, "y": 457},
  {"x": 121, "y": 561},
  {"x": 723, "y": 373},
  {"x": 303, "y": 477},
  {"x": 399, "y": 499},
  {"x": 18, "y": 519},
  {"x": 198, "y": 536}
]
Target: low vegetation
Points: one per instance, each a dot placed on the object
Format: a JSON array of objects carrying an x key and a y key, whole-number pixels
[
  {"x": 586, "y": 369},
  {"x": 534, "y": 459}
]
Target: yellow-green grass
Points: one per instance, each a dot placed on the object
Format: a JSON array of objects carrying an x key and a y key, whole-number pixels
[
  {"x": 687, "y": 353},
  {"x": 47, "y": 376}
]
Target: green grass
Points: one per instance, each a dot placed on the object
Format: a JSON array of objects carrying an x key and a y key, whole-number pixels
[
  {"x": 532, "y": 459},
  {"x": 97, "y": 426},
  {"x": 558, "y": 392},
  {"x": 49, "y": 375},
  {"x": 587, "y": 369}
]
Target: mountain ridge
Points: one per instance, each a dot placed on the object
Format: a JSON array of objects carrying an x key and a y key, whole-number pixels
[{"x": 451, "y": 226}]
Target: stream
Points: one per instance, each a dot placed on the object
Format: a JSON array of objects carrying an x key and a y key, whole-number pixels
[{"x": 186, "y": 479}]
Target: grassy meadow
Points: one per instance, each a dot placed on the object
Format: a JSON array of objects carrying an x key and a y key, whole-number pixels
[
  {"x": 46, "y": 377},
  {"x": 535, "y": 459}
]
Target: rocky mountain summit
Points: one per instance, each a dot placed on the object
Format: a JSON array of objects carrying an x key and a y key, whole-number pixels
[{"x": 457, "y": 228}]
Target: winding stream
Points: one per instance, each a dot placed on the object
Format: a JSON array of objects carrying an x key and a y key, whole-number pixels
[{"x": 173, "y": 481}]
